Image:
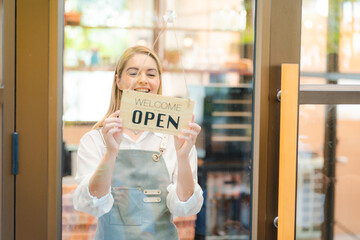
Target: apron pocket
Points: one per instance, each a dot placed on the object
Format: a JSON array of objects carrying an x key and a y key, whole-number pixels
[
  {"x": 127, "y": 208},
  {"x": 155, "y": 210}
]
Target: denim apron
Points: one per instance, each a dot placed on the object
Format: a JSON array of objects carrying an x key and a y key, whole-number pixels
[{"x": 139, "y": 211}]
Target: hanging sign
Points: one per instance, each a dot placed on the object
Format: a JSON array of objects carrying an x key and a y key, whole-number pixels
[{"x": 156, "y": 113}]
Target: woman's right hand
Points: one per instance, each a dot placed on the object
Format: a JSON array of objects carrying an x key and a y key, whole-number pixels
[{"x": 112, "y": 132}]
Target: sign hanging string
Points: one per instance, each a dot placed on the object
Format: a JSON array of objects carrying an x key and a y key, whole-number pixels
[{"x": 169, "y": 17}]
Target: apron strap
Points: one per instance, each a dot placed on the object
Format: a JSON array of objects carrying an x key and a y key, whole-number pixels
[
  {"x": 162, "y": 147},
  {"x": 164, "y": 142}
]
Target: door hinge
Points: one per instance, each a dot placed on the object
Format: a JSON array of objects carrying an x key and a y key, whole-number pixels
[{"x": 15, "y": 153}]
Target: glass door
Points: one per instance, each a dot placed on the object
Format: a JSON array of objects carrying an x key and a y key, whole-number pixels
[
  {"x": 326, "y": 161},
  {"x": 211, "y": 43},
  {"x": 329, "y": 122}
]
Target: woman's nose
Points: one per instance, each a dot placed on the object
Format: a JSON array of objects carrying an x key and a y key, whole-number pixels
[{"x": 142, "y": 77}]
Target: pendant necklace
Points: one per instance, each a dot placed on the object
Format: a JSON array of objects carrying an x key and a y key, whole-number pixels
[{"x": 136, "y": 132}]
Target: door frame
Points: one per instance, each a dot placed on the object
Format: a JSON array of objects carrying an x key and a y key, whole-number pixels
[
  {"x": 278, "y": 34},
  {"x": 277, "y": 41}
]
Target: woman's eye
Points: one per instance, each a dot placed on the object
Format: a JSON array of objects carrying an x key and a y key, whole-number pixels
[
  {"x": 151, "y": 74},
  {"x": 132, "y": 73}
]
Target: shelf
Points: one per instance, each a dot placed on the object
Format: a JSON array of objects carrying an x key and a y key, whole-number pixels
[
  {"x": 226, "y": 85},
  {"x": 110, "y": 68},
  {"x": 225, "y": 165},
  {"x": 232, "y": 101},
  {"x": 228, "y": 237},
  {"x": 170, "y": 70},
  {"x": 156, "y": 28},
  {"x": 231, "y": 114},
  {"x": 211, "y": 71},
  {"x": 231, "y": 126},
  {"x": 230, "y": 139}
]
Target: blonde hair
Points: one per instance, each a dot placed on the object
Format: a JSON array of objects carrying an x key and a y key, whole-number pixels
[{"x": 115, "y": 99}]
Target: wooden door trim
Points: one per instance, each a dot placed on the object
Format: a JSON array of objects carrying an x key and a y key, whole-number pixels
[
  {"x": 38, "y": 118},
  {"x": 288, "y": 150},
  {"x": 8, "y": 123},
  {"x": 56, "y": 42},
  {"x": 261, "y": 107}
]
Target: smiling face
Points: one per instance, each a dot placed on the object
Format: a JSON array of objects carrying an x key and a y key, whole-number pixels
[{"x": 140, "y": 74}]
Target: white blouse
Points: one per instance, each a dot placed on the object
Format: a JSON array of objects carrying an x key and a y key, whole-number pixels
[{"x": 91, "y": 151}]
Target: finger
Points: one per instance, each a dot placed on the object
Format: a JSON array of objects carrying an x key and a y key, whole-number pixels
[
  {"x": 193, "y": 117},
  {"x": 195, "y": 127},
  {"x": 179, "y": 141},
  {"x": 109, "y": 126},
  {"x": 112, "y": 121},
  {"x": 112, "y": 125},
  {"x": 114, "y": 114},
  {"x": 115, "y": 135},
  {"x": 190, "y": 132},
  {"x": 186, "y": 138},
  {"x": 114, "y": 130}
]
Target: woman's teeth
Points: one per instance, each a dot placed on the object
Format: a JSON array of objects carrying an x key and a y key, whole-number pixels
[{"x": 142, "y": 90}]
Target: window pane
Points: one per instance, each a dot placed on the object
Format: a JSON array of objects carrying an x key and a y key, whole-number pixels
[
  {"x": 330, "y": 41},
  {"x": 328, "y": 170},
  {"x": 313, "y": 36},
  {"x": 349, "y": 55}
]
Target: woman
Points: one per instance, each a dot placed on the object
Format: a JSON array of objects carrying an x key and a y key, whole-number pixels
[{"x": 134, "y": 195}]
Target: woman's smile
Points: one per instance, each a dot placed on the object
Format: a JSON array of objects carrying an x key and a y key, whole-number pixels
[{"x": 143, "y": 90}]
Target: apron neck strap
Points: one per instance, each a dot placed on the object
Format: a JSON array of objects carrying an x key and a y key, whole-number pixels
[
  {"x": 162, "y": 148},
  {"x": 163, "y": 143}
]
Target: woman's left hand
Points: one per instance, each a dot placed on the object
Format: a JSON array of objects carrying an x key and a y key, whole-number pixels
[{"x": 185, "y": 141}]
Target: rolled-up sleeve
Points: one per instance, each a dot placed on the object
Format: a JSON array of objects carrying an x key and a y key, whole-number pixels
[
  {"x": 193, "y": 204},
  {"x": 88, "y": 157}
]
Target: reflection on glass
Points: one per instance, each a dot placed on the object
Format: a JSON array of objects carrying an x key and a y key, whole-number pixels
[
  {"x": 228, "y": 204},
  {"x": 349, "y": 52},
  {"x": 313, "y": 36},
  {"x": 80, "y": 105},
  {"x": 328, "y": 171},
  {"x": 228, "y": 15},
  {"x": 1, "y": 43},
  {"x": 213, "y": 41},
  {"x": 330, "y": 40}
]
